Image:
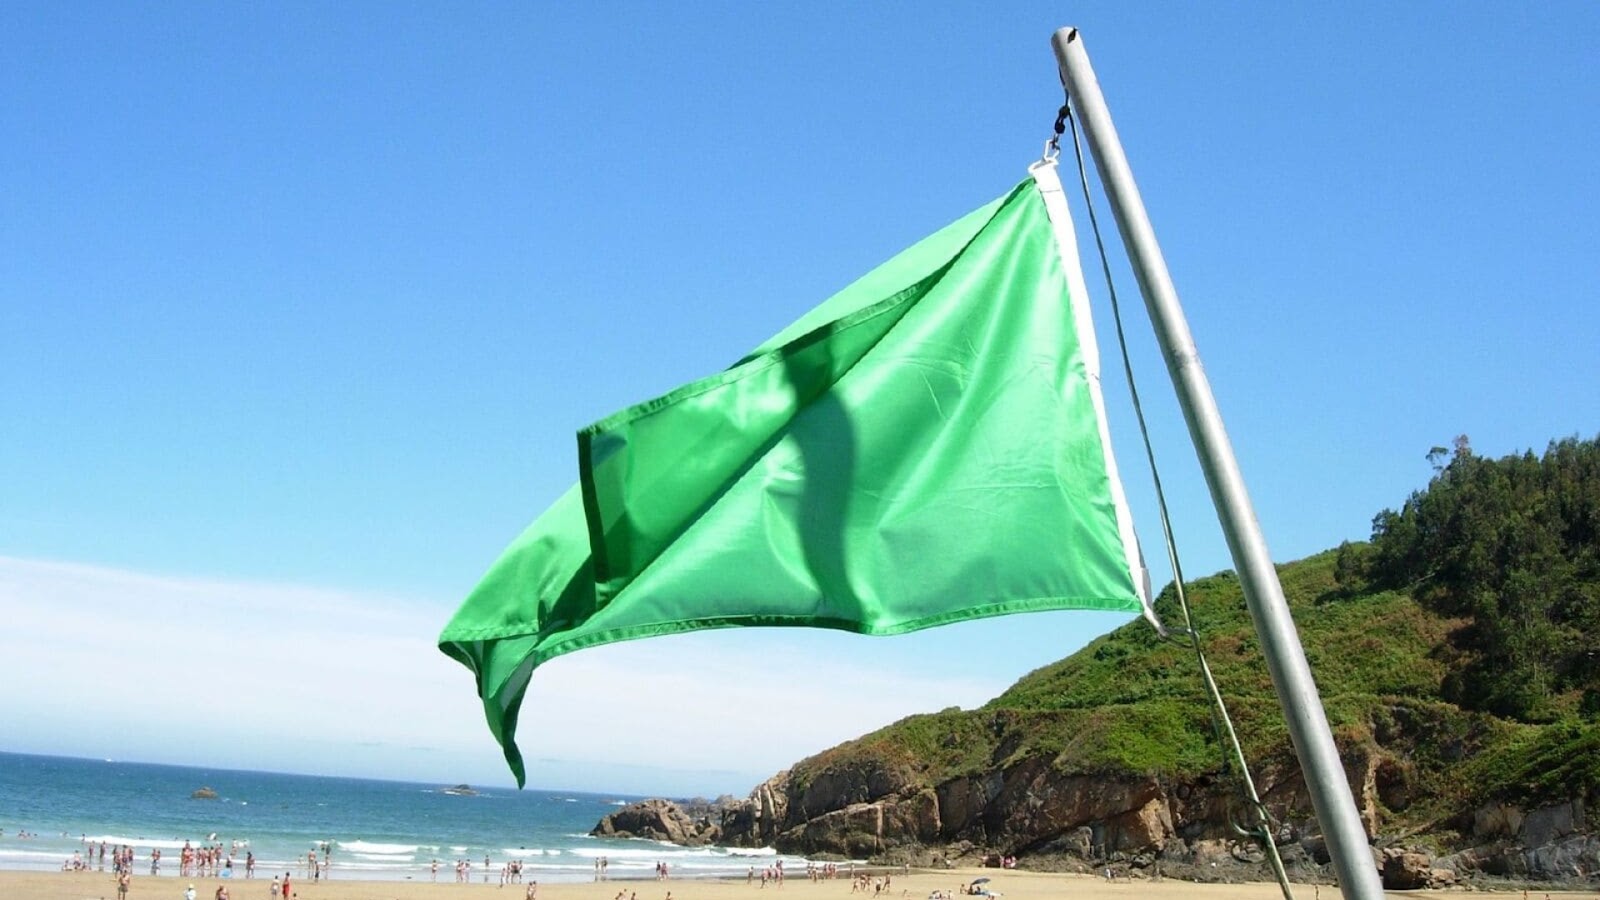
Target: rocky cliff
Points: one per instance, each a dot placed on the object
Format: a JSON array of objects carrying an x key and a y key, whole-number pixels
[
  {"x": 855, "y": 802},
  {"x": 1106, "y": 759},
  {"x": 1137, "y": 824}
]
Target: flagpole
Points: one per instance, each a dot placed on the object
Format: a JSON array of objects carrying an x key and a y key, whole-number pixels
[{"x": 1280, "y": 643}]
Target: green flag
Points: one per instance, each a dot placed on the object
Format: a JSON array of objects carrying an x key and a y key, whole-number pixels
[{"x": 927, "y": 446}]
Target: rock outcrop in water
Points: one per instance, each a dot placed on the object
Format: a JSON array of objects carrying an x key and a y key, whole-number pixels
[
  {"x": 660, "y": 820},
  {"x": 205, "y": 793}
]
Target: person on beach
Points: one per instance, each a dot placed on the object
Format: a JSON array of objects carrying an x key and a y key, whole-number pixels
[
  {"x": 123, "y": 881},
  {"x": 249, "y": 864},
  {"x": 188, "y": 893},
  {"x": 533, "y": 890},
  {"x": 222, "y": 892},
  {"x": 282, "y": 892},
  {"x": 277, "y": 889}
]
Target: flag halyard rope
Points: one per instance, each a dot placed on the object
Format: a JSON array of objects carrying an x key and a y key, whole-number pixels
[{"x": 1261, "y": 830}]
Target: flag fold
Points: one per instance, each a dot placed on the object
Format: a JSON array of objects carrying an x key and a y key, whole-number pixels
[{"x": 927, "y": 446}]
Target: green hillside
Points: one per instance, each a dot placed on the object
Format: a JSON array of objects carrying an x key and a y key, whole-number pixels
[{"x": 1459, "y": 648}]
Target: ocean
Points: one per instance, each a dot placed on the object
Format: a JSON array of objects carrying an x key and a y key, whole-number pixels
[{"x": 376, "y": 830}]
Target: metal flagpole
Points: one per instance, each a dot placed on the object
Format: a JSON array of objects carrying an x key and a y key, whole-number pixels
[{"x": 1286, "y": 660}]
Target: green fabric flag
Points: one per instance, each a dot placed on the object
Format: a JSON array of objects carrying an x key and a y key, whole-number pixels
[{"x": 928, "y": 446}]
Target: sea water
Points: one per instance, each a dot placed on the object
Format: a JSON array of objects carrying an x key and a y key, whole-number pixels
[{"x": 382, "y": 830}]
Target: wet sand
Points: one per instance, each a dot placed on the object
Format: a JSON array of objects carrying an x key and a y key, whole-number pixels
[{"x": 1012, "y": 885}]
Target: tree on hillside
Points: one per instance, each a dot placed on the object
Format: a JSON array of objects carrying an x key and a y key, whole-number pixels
[{"x": 1512, "y": 546}]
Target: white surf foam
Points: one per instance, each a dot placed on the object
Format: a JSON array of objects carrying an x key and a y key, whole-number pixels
[
  {"x": 118, "y": 840},
  {"x": 374, "y": 847},
  {"x": 34, "y": 856}
]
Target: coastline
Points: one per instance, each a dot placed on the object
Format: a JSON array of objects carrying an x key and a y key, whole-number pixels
[{"x": 1014, "y": 884}]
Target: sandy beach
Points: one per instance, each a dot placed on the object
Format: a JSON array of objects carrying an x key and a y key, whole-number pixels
[{"x": 1013, "y": 885}]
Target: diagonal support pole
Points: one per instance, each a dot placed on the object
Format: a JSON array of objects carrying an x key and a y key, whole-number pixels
[{"x": 1331, "y": 799}]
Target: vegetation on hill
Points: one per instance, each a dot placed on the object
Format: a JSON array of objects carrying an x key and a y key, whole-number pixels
[
  {"x": 1460, "y": 648},
  {"x": 1513, "y": 547}
]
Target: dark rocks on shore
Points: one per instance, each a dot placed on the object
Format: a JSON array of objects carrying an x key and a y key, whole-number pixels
[
  {"x": 1136, "y": 827},
  {"x": 663, "y": 820}
]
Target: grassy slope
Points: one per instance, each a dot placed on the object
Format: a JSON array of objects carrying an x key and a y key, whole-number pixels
[{"x": 1132, "y": 703}]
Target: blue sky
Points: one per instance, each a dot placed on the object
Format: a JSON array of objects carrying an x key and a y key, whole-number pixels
[{"x": 301, "y": 305}]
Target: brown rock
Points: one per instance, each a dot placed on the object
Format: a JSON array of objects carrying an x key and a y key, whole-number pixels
[
  {"x": 1147, "y": 827},
  {"x": 1496, "y": 820},
  {"x": 854, "y": 831},
  {"x": 838, "y": 786},
  {"x": 1406, "y": 870},
  {"x": 660, "y": 820},
  {"x": 1036, "y": 802},
  {"x": 913, "y": 819},
  {"x": 962, "y": 801}
]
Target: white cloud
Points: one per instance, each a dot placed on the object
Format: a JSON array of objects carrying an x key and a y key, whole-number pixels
[{"x": 200, "y": 671}]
